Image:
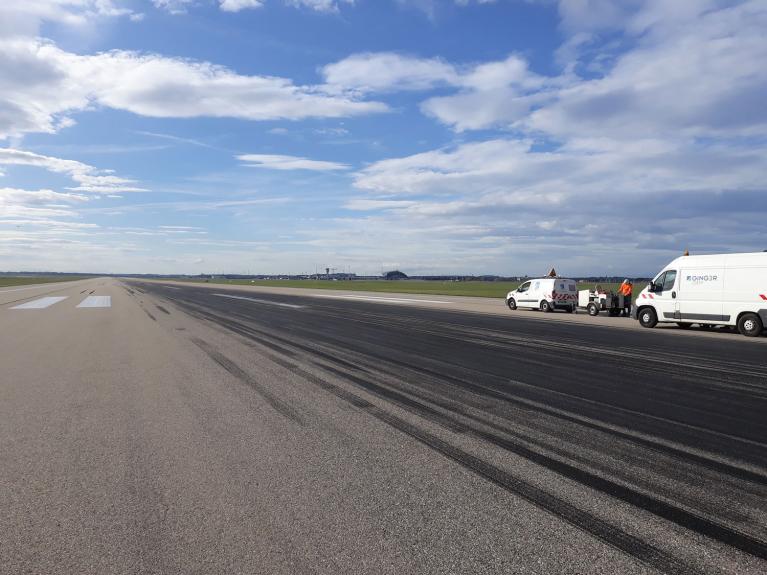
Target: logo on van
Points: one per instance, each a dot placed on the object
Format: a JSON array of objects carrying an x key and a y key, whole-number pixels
[{"x": 702, "y": 279}]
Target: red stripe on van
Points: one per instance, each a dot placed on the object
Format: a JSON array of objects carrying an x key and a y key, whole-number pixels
[{"x": 761, "y": 295}]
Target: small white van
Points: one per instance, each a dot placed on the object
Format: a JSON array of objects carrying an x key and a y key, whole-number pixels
[
  {"x": 545, "y": 294},
  {"x": 725, "y": 289}
]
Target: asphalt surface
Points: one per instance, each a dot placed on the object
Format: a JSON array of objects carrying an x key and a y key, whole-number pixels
[{"x": 170, "y": 428}]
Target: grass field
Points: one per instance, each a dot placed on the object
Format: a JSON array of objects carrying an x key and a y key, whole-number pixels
[
  {"x": 6, "y": 281},
  {"x": 467, "y": 288}
]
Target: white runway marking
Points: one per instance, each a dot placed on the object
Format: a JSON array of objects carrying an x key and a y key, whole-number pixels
[
  {"x": 381, "y": 299},
  {"x": 41, "y": 303},
  {"x": 266, "y": 301},
  {"x": 96, "y": 301},
  {"x": 170, "y": 287}
]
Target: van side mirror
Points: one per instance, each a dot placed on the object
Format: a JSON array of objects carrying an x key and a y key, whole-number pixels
[{"x": 652, "y": 287}]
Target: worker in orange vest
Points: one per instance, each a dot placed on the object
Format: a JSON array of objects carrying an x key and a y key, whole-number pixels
[{"x": 626, "y": 290}]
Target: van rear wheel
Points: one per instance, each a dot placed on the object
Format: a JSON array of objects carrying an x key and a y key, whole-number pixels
[
  {"x": 750, "y": 325},
  {"x": 648, "y": 317},
  {"x": 545, "y": 306}
]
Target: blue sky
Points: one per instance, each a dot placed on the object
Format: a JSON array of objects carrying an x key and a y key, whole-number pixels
[{"x": 433, "y": 136}]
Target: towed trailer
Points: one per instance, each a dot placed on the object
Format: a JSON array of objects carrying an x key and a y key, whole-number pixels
[{"x": 599, "y": 300}]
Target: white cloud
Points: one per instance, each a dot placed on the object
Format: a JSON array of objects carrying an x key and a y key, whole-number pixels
[
  {"x": 174, "y": 6},
  {"x": 88, "y": 178},
  {"x": 280, "y": 162},
  {"x": 694, "y": 67},
  {"x": 489, "y": 94},
  {"x": 703, "y": 76},
  {"x": 319, "y": 5},
  {"x": 181, "y": 6},
  {"x": 42, "y": 84},
  {"x": 512, "y": 171},
  {"x": 27, "y": 207},
  {"x": 24, "y": 17},
  {"x": 237, "y": 5},
  {"x": 388, "y": 71},
  {"x": 650, "y": 198}
]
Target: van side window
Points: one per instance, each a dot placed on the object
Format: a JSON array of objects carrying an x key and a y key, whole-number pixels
[
  {"x": 524, "y": 287},
  {"x": 665, "y": 281},
  {"x": 668, "y": 281}
]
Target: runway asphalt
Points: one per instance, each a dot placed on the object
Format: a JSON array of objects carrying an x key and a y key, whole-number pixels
[{"x": 157, "y": 427}]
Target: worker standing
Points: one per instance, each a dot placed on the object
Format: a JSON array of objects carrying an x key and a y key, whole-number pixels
[{"x": 626, "y": 290}]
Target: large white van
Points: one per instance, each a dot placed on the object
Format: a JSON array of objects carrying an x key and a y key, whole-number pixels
[
  {"x": 545, "y": 294},
  {"x": 725, "y": 289}
]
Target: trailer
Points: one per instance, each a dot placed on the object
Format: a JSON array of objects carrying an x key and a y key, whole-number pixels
[{"x": 598, "y": 300}]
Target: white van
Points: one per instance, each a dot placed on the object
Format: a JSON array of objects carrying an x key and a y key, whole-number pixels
[
  {"x": 725, "y": 289},
  {"x": 545, "y": 294}
]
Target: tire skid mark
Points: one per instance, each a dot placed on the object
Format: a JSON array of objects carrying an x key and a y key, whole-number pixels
[
  {"x": 545, "y": 394},
  {"x": 532, "y": 405},
  {"x": 550, "y": 445},
  {"x": 573, "y": 515},
  {"x": 540, "y": 405},
  {"x": 462, "y": 333},
  {"x": 438, "y": 327},
  {"x": 560, "y": 508},
  {"x": 524, "y": 403},
  {"x": 162, "y": 309},
  {"x": 277, "y": 404},
  {"x": 658, "y": 507}
]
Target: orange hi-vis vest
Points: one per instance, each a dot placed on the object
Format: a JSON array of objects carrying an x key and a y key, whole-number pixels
[{"x": 625, "y": 289}]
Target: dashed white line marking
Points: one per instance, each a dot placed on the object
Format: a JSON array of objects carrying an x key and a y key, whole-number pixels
[
  {"x": 96, "y": 301},
  {"x": 381, "y": 299},
  {"x": 170, "y": 287},
  {"x": 264, "y": 301},
  {"x": 41, "y": 303}
]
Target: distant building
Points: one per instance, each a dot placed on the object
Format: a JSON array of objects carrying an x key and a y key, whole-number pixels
[{"x": 395, "y": 275}]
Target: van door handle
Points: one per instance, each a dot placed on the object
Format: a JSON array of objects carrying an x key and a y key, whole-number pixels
[{"x": 673, "y": 294}]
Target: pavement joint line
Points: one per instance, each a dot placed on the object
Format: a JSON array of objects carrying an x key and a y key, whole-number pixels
[
  {"x": 40, "y": 303},
  {"x": 256, "y": 300},
  {"x": 380, "y": 299}
]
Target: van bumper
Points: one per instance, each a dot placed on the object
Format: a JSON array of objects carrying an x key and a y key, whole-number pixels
[{"x": 634, "y": 311}]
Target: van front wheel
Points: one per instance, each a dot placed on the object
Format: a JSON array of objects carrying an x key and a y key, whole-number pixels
[
  {"x": 750, "y": 325},
  {"x": 648, "y": 317},
  {"x": 512, "y": 303}
]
